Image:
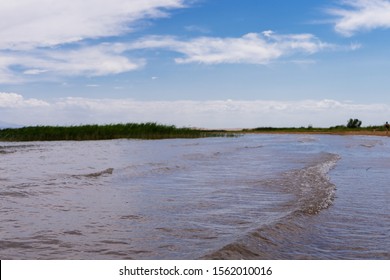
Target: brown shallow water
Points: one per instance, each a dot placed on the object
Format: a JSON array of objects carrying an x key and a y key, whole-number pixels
[{"x": 250, "y": 197}]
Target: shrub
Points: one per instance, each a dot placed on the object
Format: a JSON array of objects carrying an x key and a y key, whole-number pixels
[{"x": 354, "y": 123}]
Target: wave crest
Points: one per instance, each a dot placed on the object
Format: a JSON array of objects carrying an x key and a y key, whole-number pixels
[
  {"x": 107, "y": 171},
  {"x": 312, "y": 192}
]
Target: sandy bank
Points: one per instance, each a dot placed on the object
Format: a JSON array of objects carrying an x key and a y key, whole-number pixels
[{"x": 345, "y": 133}]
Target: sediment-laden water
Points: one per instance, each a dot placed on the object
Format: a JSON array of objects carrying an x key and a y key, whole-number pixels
[{"x": 249, "y": 197}]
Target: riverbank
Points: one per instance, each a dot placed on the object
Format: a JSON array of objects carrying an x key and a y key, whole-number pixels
[
  {"x": 346, "y": 133},
  {"x": 369, "y": 131},
  {"x": 102, "y": 132},
  {"x": 157, "y": 131}
]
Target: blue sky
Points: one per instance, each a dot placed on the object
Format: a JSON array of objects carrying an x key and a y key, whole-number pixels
[{"x": 204, "y": 63}]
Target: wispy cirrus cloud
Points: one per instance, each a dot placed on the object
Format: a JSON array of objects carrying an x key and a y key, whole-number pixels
[
  {"x": 361, "y": 15},
  {"x": 27, "y": 24},
  {"x": 99, "y": 60},
  {"x": 42, "y": 39},
  {"x": 113, "y": 58},
  {"x": 60, "y": 38},
  {"x": 252, "y": 48}
]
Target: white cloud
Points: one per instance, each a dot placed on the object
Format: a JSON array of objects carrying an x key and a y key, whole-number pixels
[
  {"x": 14, "y": 108},
  {"x": 14, "y": 100},
  {"x": 99, "y": 60},
  {"x": 252, "y": 48},
  {"x": 361, "y": 15},
  {"x": 90, "y": 61},
  {"x": 27, "y": 24},
  {"x": 34, "y": 71},
  {"x": 50, "y": 37},
  {"x": 45, "y": 39},
  {"x": 112, "y": 58}
]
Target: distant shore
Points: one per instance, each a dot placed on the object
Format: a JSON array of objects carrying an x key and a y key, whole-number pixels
[
  {"x": 338, "y": 130},
  {"x": 158, "y": 131},
  {"x": 326, "y": 132},
  {"x": 147, "y": 131}
]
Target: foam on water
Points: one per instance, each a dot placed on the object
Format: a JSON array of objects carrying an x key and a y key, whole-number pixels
[
  {"x": 313, "y": 192},
  {"x": 312, "y": 185}
]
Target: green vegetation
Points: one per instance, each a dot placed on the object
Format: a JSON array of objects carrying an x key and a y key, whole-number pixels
[
  {"x": 158, "y": 131},
  {"x": 352, "y": 126},
  {"x": 340, "y": 129},
  {"x": 103, "y": 132},
  {"x": 354, "y": 123}
]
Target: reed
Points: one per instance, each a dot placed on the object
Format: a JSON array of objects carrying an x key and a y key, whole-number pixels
[{"x": 102, "y": 132}]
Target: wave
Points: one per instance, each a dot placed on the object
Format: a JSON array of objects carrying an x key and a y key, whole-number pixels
[
  {"x": 107, "y": 171},
  {"x": 307, "y": 139},
  {"x": 17, "y": 146},
  {"x": 312, "y": 186},
  {"x": 281, "y": 239},
  {"x": 9, "y": 149},
  {"x": 17, "y": 194}
]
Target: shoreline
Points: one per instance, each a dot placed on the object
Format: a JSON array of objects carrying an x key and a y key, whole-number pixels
[
  {"x": 340, "y": 133},
  {"x": 150, "y": 131}
]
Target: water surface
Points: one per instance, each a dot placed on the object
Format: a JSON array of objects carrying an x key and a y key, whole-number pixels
[{"x": 250, "y": 197}]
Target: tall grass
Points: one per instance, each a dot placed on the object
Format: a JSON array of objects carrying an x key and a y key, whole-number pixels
[{"x": 101, "y": 132}]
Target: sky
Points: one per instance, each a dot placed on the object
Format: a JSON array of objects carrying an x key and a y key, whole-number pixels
[{"x": 195, "y": 63}]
